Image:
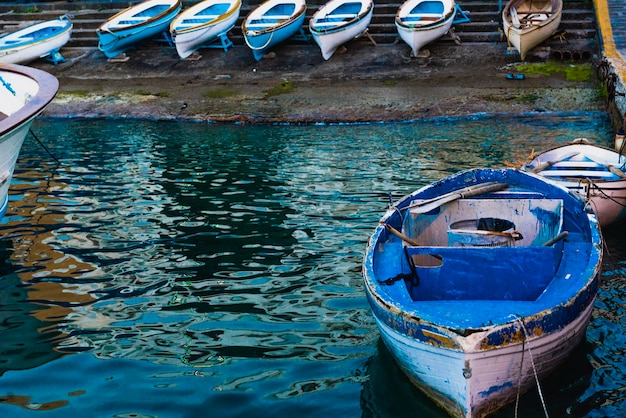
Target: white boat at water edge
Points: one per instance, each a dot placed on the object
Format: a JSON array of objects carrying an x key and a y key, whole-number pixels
[
  {"x": 204, "y": 23},
  {"x": 40, "y": 40},
  {"x": 24, "y": 93},
  {"x": 596, "y": 173},
  {"x": 338, "y": 22},
  {"x": 420, "y": 22},
  {"x": 527, "y": 23},
  {"x": 137, "y": 23}
]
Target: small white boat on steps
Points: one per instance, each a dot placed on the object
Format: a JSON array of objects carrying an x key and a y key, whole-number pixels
[
  {"x": 204, "y": 24},
  {"x": 420, "y": 22},
  {"x": 41, "y": 40},
  {"x": 338, "y": 22},
  {"x": 271, "y": 23},
  {"x": 135, "y": 24},
  {"x": 527, "y": 23}
]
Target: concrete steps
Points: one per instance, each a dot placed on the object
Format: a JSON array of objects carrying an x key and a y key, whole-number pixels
[{"x": 578, "y": 20}]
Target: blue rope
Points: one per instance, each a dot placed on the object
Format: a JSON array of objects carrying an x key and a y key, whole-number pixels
[{"x": 8, "y": 86}]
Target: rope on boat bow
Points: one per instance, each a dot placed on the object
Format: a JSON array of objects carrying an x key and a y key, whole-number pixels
[
  {"x": 532, "y": 362},
  {"x": 44, "y": 147}
]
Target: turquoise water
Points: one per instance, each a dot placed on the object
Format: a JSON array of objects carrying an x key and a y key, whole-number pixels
[{"x": 193, "y": 270}]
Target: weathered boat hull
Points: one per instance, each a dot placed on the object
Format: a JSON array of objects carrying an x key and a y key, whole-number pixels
[
  {"x": 24, "y": 94},
  {"x": 202, "y": 24},
  {"x": 597, "y": 174},
  {"x": 331, "y": 27},
  {"x": 526, "y": 34},
  {"x": 271, "y": 23},
  {"x": 135, "y": 24},
  {"x": 478, "y": 383},
  {"x": 418, "y": 25},
  {"x": 472, "y": 326},
  {"x": 36, "y": 41}
]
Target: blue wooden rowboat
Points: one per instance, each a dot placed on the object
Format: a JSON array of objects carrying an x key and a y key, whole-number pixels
[
  {"x": 483, "y": 283},
  {"x": 338, "y": 22},
  {"x": 137, "y": 23},
  {"x": 271, "y": 23},
  {"x": 203, "y": 24},
  {"x": 41, "y": 40},
  {"x": 24, "y": 93}
]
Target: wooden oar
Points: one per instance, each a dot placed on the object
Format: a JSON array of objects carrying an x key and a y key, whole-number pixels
[
  {"x": 609, "y": 167},
  {"x": 401, "y": 235},
  {"x": 548, "y": 164},
  {"x": 556, "y": 239},
  {"x": 421, "y": 202},
  {"x": 616, "y": 171},
  {"x": 430, "y": 204}
]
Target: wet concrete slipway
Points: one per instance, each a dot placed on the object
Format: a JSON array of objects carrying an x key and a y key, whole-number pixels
[{"x": 374, "y": 79}]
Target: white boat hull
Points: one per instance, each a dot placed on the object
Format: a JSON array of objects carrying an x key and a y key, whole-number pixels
[
  {"x": 417, "y": 39},
  {"x": 475, "y": 383},
  {"x": 190, "y": 39},
  {"x": 24, "y": 93},
  {"x": 417, "y": 34},
  {"x": 330, "y": 38},
  {"x": 14, "y": 51},
  {"x": 589, "y": 171},
  {"x": 525, "y": 36},
  {"x": 10, "y": 146}
]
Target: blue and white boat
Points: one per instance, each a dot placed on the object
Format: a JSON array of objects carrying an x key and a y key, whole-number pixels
[
  {"x": 271, "y": 23},
  {"x": 482, "y": 283},
  {"x": 338, "y": 22},
  {"x": 135, "y": 24},
  {"x": 595, "y": 173},
  {"x": 420, "y": 22},
  {"x": 24, "y": 93},
  {"x": 203, "y": 24},
  {"x": 43, "y": 39}
]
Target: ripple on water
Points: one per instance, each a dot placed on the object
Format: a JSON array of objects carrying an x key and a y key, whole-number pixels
[{"x": 175, "y": 254}]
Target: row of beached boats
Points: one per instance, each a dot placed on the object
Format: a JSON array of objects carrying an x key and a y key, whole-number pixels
[{"x": 206, "y": 24}]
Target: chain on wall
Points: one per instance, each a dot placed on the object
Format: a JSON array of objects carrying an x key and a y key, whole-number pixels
[{"x": 603, "y": 71}]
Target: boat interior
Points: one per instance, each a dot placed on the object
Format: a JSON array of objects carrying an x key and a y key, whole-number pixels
[
  {"x": 531, "y": 12},
  {"x": 479, "y": 249},
  {"x": 140, "y": 16},
  {"x": 344, "y": 12},
  {"x": 212, "y": 12},
  {"x": 36, "y": 32},
  {"x": 424, "y": 12},
  {"x": 273, "y": 16}
]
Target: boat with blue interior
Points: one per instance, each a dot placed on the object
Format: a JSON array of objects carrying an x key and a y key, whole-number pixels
[{"x": 483, "y": 283}]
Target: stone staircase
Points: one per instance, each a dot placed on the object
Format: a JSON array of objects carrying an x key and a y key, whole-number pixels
[{"x": 578, "y": 21}]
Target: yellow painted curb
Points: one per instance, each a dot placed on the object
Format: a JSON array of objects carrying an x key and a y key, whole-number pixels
[{"x": 608, "y": 43}]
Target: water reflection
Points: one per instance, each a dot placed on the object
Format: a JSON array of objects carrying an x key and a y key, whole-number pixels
[{"x": 230, "y": 254}]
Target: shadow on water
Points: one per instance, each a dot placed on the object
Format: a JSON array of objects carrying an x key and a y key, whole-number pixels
[{"x": 189, "y": 267}]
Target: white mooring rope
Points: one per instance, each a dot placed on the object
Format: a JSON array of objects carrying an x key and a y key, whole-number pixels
[{"x": 532, "y": 362}]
